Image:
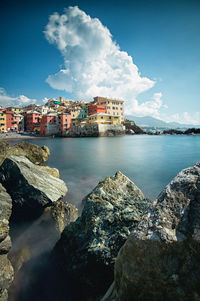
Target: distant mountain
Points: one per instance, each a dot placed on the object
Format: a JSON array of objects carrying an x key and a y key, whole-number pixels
[{"x": 149, "y": 121}]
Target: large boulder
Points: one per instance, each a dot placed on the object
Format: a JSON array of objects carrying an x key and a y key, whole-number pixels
[
  {"x": 6, "y": 269},
  {"x": 88, "y": 247},
  {"x": 33, "y": 152},
  {"x": 161, "y": 259},
  {"x": 4, "y": 147},
  {"x": 31, "y": 188}
]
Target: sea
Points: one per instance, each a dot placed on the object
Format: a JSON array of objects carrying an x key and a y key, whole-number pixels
[{"x": 150, "y": 162}]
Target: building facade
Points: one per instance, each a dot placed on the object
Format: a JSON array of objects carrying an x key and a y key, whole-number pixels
[
  {"x": 3, "y": 123},
  {"x": 95, "y": 109},
  {"x": 32, "y": 120},
  {"x": 114, "y": 107}
]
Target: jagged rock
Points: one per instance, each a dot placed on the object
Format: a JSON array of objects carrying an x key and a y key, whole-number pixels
[
  {"x": 6, "y": 270},
  {"x": 33, "y": 152},
  {"x": 63, "y": 213},
  {"x": 31, "y": 188},
  {"x": 52, "y": 171},
  {"x": 88, "y": 247},
  {"x": 161, "y": 259},
  {"x": 4, "y": 146}
]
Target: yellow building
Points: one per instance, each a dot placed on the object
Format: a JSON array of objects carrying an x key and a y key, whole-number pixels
[
  {"x": 17, "y": 110},
  {"x": 101, "y": 118},
  {"x": 3, "y": 126},
  {"x": 114, "y": 107}
]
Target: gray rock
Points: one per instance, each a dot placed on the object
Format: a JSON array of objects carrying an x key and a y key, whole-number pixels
[
  {"x": 6, "y": 270},
  {"x": 63, "y": 213},
  {"x": 31, "y": 188},
  {"x": 88, "y": 247},
  {"x": 161, "y": 259},
  {"x": 33, "y": 152}
]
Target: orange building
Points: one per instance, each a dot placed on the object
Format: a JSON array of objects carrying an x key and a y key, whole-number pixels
[{"x": 95, "y": 109}]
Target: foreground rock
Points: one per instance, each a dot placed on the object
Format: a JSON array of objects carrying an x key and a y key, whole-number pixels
[
  {"x": 6, "y": 270},
  {"x": 33, "y": 152},
  {"x": 161, "y": 259},
  {"x": 88, "y": 248},
  {"x": 31, "y": 188}
]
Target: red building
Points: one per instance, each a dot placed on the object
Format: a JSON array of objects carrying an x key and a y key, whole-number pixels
[
  {"x": 32, "y": 120},
  {"x": 10, "y": 122},
  {"x": 48, "y": 122},
  {"x": 53, "y": 124},
  {"x": 94, "y": 109}
]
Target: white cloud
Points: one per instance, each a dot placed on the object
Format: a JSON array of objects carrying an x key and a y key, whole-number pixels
[
  {"x": 94, "y": 64},
  {"x": 148, "y": 108},
  {"x": 185, "y": 118},
  {"x": 21, "y": 100}
]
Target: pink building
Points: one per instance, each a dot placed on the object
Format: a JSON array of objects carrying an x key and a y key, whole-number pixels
[
  {"x": 54, "y": 124},
  {"x": 65, "y": 122},
  {"x": 32, "y": 120}
]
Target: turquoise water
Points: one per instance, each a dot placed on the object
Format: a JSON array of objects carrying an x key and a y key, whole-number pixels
[{"x": 149, "y": 161}]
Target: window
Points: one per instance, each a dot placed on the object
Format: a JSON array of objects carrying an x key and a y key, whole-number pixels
[
  {"x": 101, "y": 117},
  {"x": 113, "y": 108}
]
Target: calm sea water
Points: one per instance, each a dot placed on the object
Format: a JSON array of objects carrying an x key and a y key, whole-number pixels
[{"x": 149, "y": 161}]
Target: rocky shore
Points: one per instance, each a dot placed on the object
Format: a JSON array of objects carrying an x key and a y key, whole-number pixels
[
  {"x": 131, "y": 247},
  {"x": 30, "y": 195}
]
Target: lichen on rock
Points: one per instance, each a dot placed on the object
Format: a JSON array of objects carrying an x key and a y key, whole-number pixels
[
  {"x": 88, "y": 247},
  {"x": 161, "y": 258},
  {"x": 6, "y": 269}
]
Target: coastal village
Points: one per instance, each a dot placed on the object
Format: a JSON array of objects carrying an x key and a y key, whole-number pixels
[{"x": 64, "y": 117}]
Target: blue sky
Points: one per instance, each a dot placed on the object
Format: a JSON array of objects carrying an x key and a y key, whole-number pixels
[{"x": 152, "y": 59}]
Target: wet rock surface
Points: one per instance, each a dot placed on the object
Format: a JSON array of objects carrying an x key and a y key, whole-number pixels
[
  {"x": 6, "y": 269},
  {"x": 33, "y": 152},
  {"x": 31, "y": 188},
  {"x": 88, "y": 247},
  {"x": 161, "y": 258}
]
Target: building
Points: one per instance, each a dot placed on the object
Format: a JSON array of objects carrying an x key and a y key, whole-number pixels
[
  {"x": 95, "y": 109},
  {"x": 100, "y": 118},
  {"x": 83, "y": 112},
  {"x": 10, "y": 122},
  {"x": 3, "y": 123},
  {"x": 32, "y": 120},
  {"x": 65, "y": 122},
  {"x": 114, "y": 107},
  {"x": 16, "y": 110},
  {"x": 49, "y": 125}
]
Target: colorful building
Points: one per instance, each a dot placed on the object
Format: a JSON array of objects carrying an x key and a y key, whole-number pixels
[
  {"x": 65, "y": 122},
  {"x": 83, "y": 112},
  {"x": 49, "y": 125},
  {"x": 114, "y": 107},
  {"x": 32, "y": 120},
  {"x": 10, "y": 122},
  {"x": 95, "y": 109},
  {"x": 16, "y": 110},
  {"x": 3, "y": 123},
  {"x": 100, "y": 118}
]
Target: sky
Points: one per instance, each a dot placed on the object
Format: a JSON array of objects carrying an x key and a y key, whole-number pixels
[{"x": 145, "y": 52}]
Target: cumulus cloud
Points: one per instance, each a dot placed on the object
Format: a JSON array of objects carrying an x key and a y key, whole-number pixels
[
  {"x": 148, "y": 108},
  {"x": 7, "y": 101},
  {"x": 93, "y": 62},
  {"x": 185, "y": 118}
]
